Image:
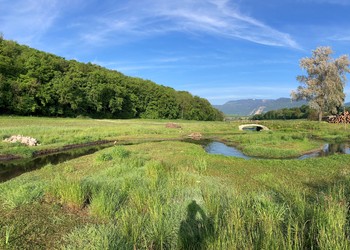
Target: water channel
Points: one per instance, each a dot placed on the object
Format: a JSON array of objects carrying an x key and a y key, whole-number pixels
[
  {"x": 328, "y": 149},
  {"x": 13, "y": 168}
]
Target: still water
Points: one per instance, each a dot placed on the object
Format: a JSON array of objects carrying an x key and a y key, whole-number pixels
[
  {"x": 13, "y": 168},
  {"x": 219, "y": 148},
  {"x": 328, "y": 149}
]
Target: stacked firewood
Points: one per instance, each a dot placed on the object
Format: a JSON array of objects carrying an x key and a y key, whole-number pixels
[{"x": 342, "y": 118}]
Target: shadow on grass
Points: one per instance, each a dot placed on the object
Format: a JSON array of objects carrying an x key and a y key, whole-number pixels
[{"x": 196, "y": 228}]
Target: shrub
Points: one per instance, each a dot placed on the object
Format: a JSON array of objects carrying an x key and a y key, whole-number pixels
[
  {"x": 120, "y": 152},
  {"x": 104, "y": 157}
]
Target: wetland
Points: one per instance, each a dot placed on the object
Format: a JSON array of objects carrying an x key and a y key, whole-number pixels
[{"x": 154, "y": 192}]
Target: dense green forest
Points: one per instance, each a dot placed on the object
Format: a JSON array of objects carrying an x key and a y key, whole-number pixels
[{"x": 33, "y": 82}]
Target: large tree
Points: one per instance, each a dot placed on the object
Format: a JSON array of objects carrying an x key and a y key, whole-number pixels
[{"x": 323, "y": 86}]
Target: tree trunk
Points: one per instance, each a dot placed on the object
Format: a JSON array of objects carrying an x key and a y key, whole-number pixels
[{"x": 320, "y": 114}]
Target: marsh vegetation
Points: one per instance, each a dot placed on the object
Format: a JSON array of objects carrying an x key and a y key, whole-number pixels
[{"x": 172, "y": 194}]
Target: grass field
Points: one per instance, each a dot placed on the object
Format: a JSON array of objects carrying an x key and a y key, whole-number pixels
[{"x": 172, "y": 194}]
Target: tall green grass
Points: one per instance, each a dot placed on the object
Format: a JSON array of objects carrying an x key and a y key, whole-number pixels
[
  {"x": 173, "y": 195},
  {"x": 153, "y": 206},
  {"x": 21, "y": 191}
]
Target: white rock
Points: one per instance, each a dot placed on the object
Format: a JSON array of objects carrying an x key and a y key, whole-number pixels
[{"x": 29, "y": 141}]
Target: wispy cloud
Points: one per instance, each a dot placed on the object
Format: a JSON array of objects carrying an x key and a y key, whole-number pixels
[
  {"x": 341, "y": 38},
  {"x": 26, "y": 19},
  {"x": 190, "y": 63},
  {"x": 335, "y": 2},
  {"x": 218, "y": 18},
  {"x": 151, "y": 64},
  {"x": 223, "y": 94}
]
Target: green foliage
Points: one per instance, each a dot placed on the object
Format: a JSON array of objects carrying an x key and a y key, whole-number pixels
[
  {"x": 94, "y": 237},
  {"x": 172, "y": 195},
  {"x": 37, "y": 83},
  {"x": 323, "y": 86},
  {"x": 106, "y": 200},
  {"x": 69, "y": 191},
  {"x": 201, "y": 165},
  {"x": 302, "y": 112},
  {"x": 20, "y": 192},
  {"x": 104, "y": 157},
  {"x": 120, "y": 152}
]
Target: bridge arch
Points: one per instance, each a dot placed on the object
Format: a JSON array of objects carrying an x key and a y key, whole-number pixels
[{"x": 256, "y": 127}]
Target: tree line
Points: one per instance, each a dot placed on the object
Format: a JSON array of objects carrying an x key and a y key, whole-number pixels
[
  {"x": 302, "y": 112},
  {"x": 33, "y": 82}
]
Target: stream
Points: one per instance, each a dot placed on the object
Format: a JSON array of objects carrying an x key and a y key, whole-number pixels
[
  {"x": 328, "y": 149},
  {"x": 13, "y": 168}
]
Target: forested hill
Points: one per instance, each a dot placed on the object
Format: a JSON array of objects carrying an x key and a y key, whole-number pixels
[{"x": 33, "y": 82}]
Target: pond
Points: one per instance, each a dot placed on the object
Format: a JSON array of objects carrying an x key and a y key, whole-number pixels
[{"x": 328, "y": 149}]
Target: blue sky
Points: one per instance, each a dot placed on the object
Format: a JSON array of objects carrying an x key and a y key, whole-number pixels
[{"x": 218, "y": 49}]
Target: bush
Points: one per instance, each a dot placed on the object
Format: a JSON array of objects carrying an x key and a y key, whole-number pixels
[
  {"x": 104, "y": 157},
  {"x": 120, "y": 152}
]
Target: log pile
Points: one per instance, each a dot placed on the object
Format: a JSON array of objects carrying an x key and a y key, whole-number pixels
[{"x": 342, "y": 118}]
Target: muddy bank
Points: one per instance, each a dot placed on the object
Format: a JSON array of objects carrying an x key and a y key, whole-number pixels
[
  {"x": 9, "y": 157},
  {"x": 15, "y": 166},
  {"x": 70, "y": 147},
  {"x": 105, "y": 143}
]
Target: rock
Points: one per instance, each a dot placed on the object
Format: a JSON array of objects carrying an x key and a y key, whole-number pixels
[
  {"x": 195, "y": 136},
  {"x": 29, "y": 141},
  {"x": 172, "y": 125}
]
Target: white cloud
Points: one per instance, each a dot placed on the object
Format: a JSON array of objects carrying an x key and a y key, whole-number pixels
[
  {"x": 341, "y": 38},
  {"x": 26, "y": 19},
  {"x": 336, "y": 2},
  {"x": 222, "y": 94},
  {"x": 152, "y": 17}
]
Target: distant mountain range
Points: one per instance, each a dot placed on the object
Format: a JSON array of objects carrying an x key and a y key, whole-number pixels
[{"x": 247, "y": 107}]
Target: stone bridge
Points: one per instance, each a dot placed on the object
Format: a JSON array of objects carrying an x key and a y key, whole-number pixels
[{"x": 256, "y": 127}]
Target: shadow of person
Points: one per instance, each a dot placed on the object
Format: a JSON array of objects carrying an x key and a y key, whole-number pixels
[{"x": 195, "y": 228}]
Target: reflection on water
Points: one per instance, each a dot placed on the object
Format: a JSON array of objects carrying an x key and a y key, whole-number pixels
[
  {"x": 219, "y": 148},
  {"x": 328, "y": 149},
  {"x": 11, "y": 169}
]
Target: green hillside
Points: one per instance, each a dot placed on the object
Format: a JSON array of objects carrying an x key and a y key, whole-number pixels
[{"x": 33, "y": 82}]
